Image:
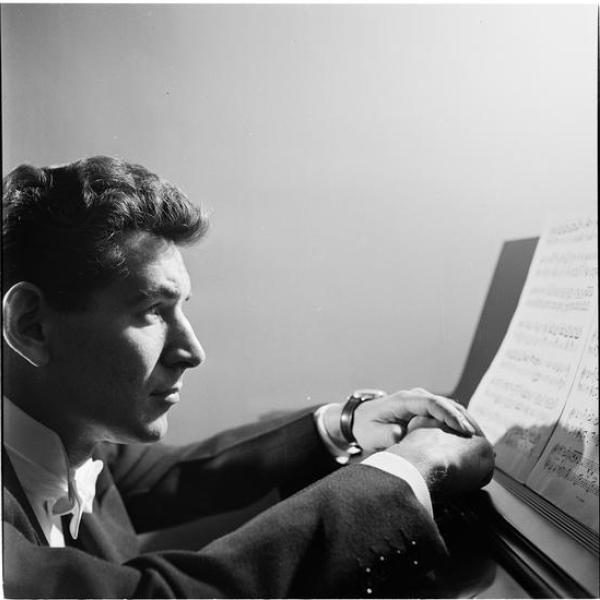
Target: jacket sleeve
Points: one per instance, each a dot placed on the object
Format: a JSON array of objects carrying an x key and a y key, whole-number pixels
[
  {"x": 163, "y": 486},
  {"x": 358, "y": 532}
]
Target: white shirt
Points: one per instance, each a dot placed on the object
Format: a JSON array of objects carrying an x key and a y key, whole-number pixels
[{"x": 52, "y": 487}]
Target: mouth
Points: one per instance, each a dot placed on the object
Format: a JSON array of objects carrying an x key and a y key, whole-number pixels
[{"x": 169, "y": 395}]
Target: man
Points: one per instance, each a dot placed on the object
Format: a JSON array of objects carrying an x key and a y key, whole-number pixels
[{"x": 96, "y": 345}]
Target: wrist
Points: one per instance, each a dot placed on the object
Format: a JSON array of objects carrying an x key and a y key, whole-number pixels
[
  {"x": 432, "y": 468},
  {"x": 331, "y": 421},
  {"x": 400, "y": 467},
  {"x": 335, "y": 424},
  {"x": 339, "y": 451},
  {"x": 353, "y": 403}
]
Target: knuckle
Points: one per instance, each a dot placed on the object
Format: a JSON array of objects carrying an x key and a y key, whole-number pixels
[{"x": 485, "y": 448}]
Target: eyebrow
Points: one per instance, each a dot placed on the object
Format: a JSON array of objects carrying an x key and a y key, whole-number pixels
[{"x": 157, "y": 292}]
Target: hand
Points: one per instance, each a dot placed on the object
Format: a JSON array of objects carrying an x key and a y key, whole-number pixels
[
  {"x": 449, "y": 462},
  {"x": 384, "y": 421}
]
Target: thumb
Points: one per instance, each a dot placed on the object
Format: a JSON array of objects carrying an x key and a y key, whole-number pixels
[
  {"x": 422, "y": 422},
  {"x": 399, "y": 430}
]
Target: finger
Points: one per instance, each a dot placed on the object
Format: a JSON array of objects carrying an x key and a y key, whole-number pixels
[
  {"x": 464, "y": 416},
  {"x": 398, "y": 431},
  {"x": 473, "y": 422},
  {"x": 421, "y": 423},
  {"x": 467, "y": 416},
  {"x": 418, "y": 402},
  {"x": 465, "y": 412},
  {"x": 423, "y": 403}
]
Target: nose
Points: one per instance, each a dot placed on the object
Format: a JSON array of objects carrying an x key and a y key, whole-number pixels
[{"x": 183, "y": 349}]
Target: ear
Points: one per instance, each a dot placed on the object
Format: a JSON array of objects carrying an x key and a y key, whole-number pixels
[{"x": 23, "y": 309}]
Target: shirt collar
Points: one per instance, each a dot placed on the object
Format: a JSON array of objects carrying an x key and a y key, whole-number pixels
[{"x": 42, "y": 466}]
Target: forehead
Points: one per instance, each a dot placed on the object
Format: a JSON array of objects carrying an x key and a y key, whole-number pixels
[{"x": 155, "y": 266}]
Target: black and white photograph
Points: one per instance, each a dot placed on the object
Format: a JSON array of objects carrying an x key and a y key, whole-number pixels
[{"x": 300, "y": 300}]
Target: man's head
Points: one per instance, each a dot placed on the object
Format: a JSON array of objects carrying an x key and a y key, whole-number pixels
[
  {"x": 62, "y": 226},
  {"x": 93, "y": 291}
]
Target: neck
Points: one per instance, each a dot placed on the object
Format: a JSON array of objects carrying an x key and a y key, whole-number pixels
[{"x": 75, "y": 439}]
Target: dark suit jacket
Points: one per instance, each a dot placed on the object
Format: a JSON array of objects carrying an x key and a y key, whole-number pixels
[{"x": 353, "y": 532}]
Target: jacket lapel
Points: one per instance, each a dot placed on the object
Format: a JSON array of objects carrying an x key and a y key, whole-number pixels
[{"x": 12, "y": 485}]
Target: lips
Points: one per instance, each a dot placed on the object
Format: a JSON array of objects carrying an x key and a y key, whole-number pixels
[
  {"x": 166, "y": 392},
  {"x": 170, "y": 394}
]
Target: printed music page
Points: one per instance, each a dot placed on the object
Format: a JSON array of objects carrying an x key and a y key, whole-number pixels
[
  {"x": 567, "y": 472},
  {"x": 520, "y": 399}
]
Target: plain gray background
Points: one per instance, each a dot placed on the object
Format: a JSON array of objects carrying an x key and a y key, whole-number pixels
[{"x": 362, "y": 165}]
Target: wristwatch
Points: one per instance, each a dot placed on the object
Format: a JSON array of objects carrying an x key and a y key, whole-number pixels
[{"x": 347, "y": 417}]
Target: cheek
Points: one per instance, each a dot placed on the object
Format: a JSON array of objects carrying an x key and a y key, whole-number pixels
[
  {"x": 111, "y": 358},
  {"x": 75, "y": 351},
  {"x": 135, "y": 354}
]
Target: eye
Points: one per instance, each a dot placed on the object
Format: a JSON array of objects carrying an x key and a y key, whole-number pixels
[{"x": 153, "y": 312}]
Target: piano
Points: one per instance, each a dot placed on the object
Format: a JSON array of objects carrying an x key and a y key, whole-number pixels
[{"x": 506, "y": 541}]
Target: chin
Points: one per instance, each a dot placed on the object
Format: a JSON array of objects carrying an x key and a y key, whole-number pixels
[
  {"x": 147, "y": 433},
  {"x": 140, "y": 432},
  {"x": 157, "y": 429}
]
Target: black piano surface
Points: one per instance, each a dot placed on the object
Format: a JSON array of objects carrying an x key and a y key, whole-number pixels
[{"x": 506, "y": 541}]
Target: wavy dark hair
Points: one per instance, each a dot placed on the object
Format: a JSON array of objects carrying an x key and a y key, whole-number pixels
[{"x": 62, "y": 226}]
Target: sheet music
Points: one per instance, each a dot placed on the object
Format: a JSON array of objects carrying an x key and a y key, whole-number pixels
[
  {"x": 519, "y": 400},
  {"x": 567, "y": 472}
]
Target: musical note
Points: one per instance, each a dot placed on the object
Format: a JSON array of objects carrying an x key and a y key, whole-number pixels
[
  {"x": 568, "y": 471},
  {"x": 520, "y": 399}
]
